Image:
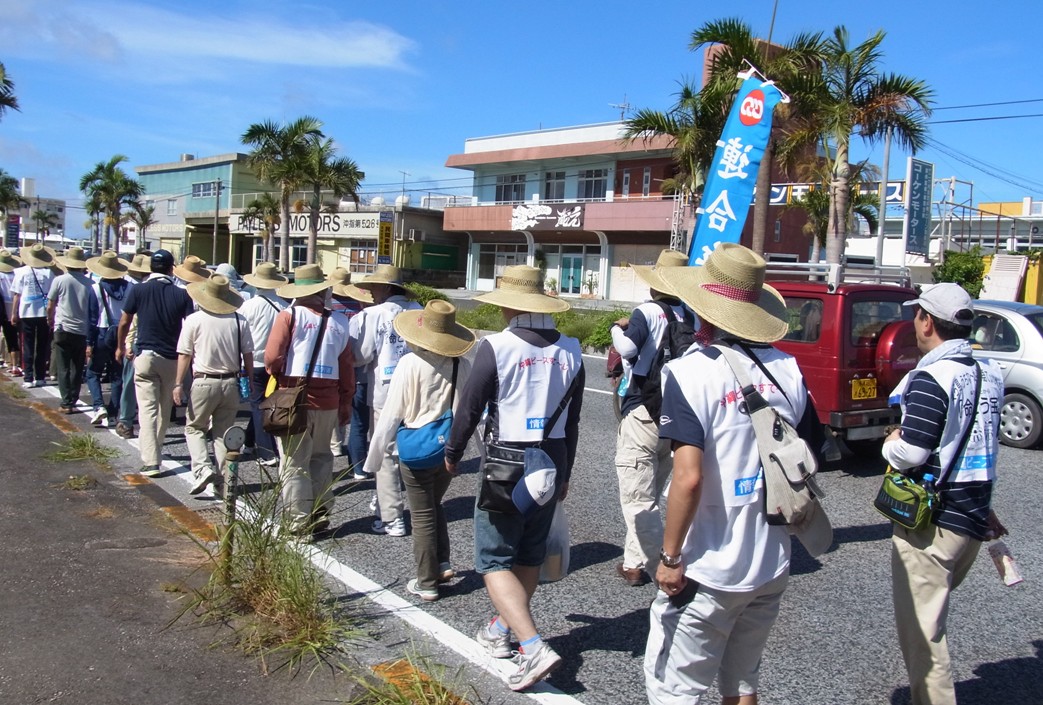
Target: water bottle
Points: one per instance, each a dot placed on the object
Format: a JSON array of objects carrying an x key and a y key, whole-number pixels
[
  {"x": 928, "y": 484},
  {"x": 244, "y": 386}
]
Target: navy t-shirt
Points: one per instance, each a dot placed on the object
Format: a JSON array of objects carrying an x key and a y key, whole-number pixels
[{"x": 160, "y": 307}]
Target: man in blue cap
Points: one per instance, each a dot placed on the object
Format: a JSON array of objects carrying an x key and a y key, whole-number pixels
[{"x": 160, "y": 306}]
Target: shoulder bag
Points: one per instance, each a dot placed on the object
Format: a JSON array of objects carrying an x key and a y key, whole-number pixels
[
  {"x": 909, "y": 503},
  {"x": 505, "y": 465},
  {"x": 423, "y": 448},
  {"x": 285, "y": 412}
]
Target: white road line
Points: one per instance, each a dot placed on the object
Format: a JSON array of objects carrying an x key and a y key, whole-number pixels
[{"x": 467, "y": 647}]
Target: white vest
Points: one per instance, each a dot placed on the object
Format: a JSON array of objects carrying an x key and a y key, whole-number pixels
[
  {"x": 302, "y": 342},
  {"x": 390, "y": 346},
  {"x": 532, "y": 382}
]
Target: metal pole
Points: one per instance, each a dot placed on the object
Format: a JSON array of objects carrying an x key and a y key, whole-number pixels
[
  {"x": 217, "y": 212},
  {"x": 883, "y": 199}
]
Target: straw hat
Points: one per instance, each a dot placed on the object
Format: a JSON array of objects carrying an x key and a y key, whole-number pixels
[
  {"x": 650, "y": 275},
  {"x": 729, "y": 292},
  {"x": 108, "y": 265},
  {"x": 342, "y": 286},
  {"x": 385, "y": 274},
  {"x": 141, "y": 264},
  {"x": 37, "y": 255},
  {"x": 265, "y": 276},
  {"x": 215, "y": 295},
  {"x": 521, "y": 288},
  {"x": 192, "y": 269},
  {"x": 74, "y": 258},
  {"x": 434, "y": 328},
  {"x": 8, "y": 261},
  {"x": 307, "y": 280}
]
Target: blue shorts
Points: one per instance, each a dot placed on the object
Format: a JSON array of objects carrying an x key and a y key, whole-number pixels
[{"x": 502, "y": 541}]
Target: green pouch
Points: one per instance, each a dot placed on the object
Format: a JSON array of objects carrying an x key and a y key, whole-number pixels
[{"x": 904, "y": 501}]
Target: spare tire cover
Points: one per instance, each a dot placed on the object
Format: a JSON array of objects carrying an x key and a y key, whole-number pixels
[{"x": 896, "y": 353}]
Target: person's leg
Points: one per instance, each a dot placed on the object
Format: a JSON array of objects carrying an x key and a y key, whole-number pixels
[
  {"x": 264, "y": 442},
  {"x": 115, "y": 371},
  {"x": 441, "y": 482},
  {"x": 226, "y": 406},
  {"x": 92, "y": 375},
  {"x": 511, "y": 592},
  {"x": 320, "y": 464},
  {"x": 296, "y": 482},
  {"x": 78, "y": 359},
  {"x": 389, "y": 483},
  {"x": 206, "y": 395},
  {"x": 637, "y": 459},
  {"x": 739, "y": 671},
  {"x": 147, "y": 390},
  {"x": 358, "y": 431},
  {"x": 167, "y": 373},
  {"x": 420, "y": 492},
  {"x": 63, "y": 361},
  {"x": 30, "y": 332},
  {"x": 129, "y": 397}
]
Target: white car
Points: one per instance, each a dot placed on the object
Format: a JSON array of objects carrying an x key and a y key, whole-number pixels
[{"x": 1011, "y": 334}]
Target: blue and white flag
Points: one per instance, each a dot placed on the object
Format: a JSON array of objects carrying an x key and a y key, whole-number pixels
[{"x": 729, "y": 188}]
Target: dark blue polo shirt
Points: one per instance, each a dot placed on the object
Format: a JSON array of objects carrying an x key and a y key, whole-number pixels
[{"x": 160, "y": 306}]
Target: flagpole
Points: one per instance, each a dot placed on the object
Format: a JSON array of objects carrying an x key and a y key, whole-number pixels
[{"x": 883, "y": 200}]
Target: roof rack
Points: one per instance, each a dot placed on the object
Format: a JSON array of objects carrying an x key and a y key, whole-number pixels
[{"x": 836, "y": 274}]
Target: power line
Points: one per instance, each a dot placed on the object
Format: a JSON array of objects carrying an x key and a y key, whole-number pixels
[
  {"x": 983, "y": 119},
  {"x": 1021, "y": 182},
  {"x": 989, "y": 105}
]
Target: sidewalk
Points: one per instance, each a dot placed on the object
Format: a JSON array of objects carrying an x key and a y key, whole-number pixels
[{"x": 87, "y": 591}]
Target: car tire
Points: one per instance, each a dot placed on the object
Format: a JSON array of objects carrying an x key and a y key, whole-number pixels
[{"x": 1021, "y": 421}]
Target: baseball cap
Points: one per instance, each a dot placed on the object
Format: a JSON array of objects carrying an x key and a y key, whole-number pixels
[
  {"x": 536, "y": 487},
  {"x": 161, "y": 260},
  {"x": 946, "y": 302}
]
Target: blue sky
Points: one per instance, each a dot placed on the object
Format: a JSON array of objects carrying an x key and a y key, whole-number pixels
[{"x": 400, "y": 86}]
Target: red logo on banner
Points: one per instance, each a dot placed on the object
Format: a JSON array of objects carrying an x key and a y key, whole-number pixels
[{"x": 752, "y": 109}]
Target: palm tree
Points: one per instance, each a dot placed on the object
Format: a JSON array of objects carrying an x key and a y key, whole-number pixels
[
  {"x": 739, "y": 49},
  {"x": 112, "y": 188},
  {"x": 277, "y": 155},
  {"x": 323, "y": 171},
  {"x": 144, "y": 217},
  {"x": 8, "y": 100},
  {"x": 45, "y": 220},
  {"x": 851, "y": 97},
  {"x": 95, "y": 208},
  {"x": 815, "y": 204},
  {"x": 10, "y": 197},
  {"x": 265, "y": 209}
]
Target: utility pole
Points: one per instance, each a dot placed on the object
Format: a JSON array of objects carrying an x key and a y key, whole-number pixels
[
  {"x": 883, "y": 202},
  {"x": 623, "y": 108},
  {"x": 217, "y": 213},
  {"x": 404, "y": 175}
]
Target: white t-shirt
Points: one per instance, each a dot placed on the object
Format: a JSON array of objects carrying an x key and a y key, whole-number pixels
[
  {"x": 32, "y": 284},
  {"x": 6, "y": 278},
  {"x": 260, "y": 312},
  {"x": 211, "y": 340}
]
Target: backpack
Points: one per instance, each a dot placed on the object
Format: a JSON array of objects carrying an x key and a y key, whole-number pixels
[{"x": 677, "y": 338}]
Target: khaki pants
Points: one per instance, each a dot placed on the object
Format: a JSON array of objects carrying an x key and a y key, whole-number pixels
[
  {"x": 212, "y": 405},
  {"x": 389, "y": 482},
  {"x": 926, "y": 566},
  {"x": 306, "y": 471},
  {"x": 154, "y": 383},
  {"x": 643, "y": 466}
]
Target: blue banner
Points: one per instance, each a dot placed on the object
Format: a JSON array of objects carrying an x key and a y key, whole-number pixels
[{"x": 729, "y": 188}]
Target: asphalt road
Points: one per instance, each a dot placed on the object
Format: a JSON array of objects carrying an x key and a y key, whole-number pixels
[{"x": 834, "y": 642}]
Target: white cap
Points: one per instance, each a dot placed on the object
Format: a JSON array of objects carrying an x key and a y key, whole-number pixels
[{"x": 946, "y": 302}]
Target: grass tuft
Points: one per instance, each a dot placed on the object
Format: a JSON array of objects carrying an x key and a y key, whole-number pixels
[
  {"x": 81, "y": 447},
  {"x": 14, "y": 390},
  {"x": 80, "y": 483},
  {"x": 415, "y": 680}
]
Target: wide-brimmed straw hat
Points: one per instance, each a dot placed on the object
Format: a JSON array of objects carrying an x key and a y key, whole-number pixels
[
  {"x": 215, "y": 295},
  {"x": 385, "y": 274},
  {"x": 434, "y": 328},
  {"x": 74, "y": 258},
  {"x": 307, "y": 280},
  {"x": 8, "y": 262},
  {"x": 651, "y": 274},
  {"x": 521, "y": 289},
  {"x": 192, "y": 269},
  {"x": 342, "y": 286},
  {"x": 729, "y": 292},
  {"x": 37, "y": 255},
  {"x": 140, "y": 264},
  {"x": 108, "y": 265},
  {"x": 266, "y": 276}
]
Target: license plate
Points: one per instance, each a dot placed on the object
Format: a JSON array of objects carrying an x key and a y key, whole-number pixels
[{"x": 863, "y": 388}]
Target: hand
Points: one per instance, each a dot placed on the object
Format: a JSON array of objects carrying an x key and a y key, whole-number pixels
[
  {"x": 178, "y": 394},
  {"x": 894, "y": 435},
  {"x": 129, "y": 354},
  {"x": 89, "y": 352},
  {"x": 996, "y": 529},
  {"x": 623, "y": 323},
  {"x": 15, "y": 319},
  {"x": 670, "y": 580},
  {"x": 451, "y": 468},
  {"x": 120, "y": 355}
]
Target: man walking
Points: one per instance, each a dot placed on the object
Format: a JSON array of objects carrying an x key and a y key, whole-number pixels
[
  {"x": 160, "y": 307},
  {"x": 722, "y": 567},
  {"x": 137, "y": 271},
  {"x": 347, "y": 300},
  {"x": 107, "y": 307},
  {"x": 68, "y": 307},
  {"x": 29, "y": 288},
  {"x": 950, "y": 429},
  {"x": 378, "y": 348},
  {"x": 215, "y": 344},
  {"x": 523, "y": 375},
  {"x": 643, "y": 460}
]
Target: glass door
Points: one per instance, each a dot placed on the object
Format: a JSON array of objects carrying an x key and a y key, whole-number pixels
[{"x": 571, "y": 274}]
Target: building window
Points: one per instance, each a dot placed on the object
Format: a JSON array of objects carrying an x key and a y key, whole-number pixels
[
  {"x": 204, "y": 190},
  {"x": 172, "y": 206},
  {"x": 510, "y": 188},
  {"x": 1036, "y": 208},
  {"x": 362, "y": 256},
  {"x": 646, "y": 181},
  {"x": 493, "y": 259},
  {"x": 554, "y": 186},
  {"x": 625, "y": 191},
  {"x": 298, "y": 252},
  {"x": 592, "y": 184}
]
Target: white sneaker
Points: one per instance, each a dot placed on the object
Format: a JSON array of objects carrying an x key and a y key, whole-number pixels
[
  {"x": 201, "y": 480},
  {"x": 533, "y": 668},
  {"x": 39, "y": 383},
  {"x": 268, "y": 462},
  {"x": 28, "y": 385},
  {"x": 425, "y": 594},
  {"x": 99, "y": 416},
  {"x": 393, "y": 528},
  {"x": 495, "y": 644}
]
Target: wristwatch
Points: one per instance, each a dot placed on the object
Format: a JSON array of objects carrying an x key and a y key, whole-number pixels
[{"x": 668, "y": 560}]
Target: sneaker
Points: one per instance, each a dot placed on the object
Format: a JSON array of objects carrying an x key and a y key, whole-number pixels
[
  {"x": 150, "y": 471},
  {"x": 28, "y": 385},
  {"x": 17, "y": 371},
  {"x": 533, "y": 668},
  {"x": 268, "y": 462},
  {"x": 124, "y": 431},
  {"x": 39, "y": 383},
  {"x": 360, "y": 475},
  {"x": 425, "y": 594},
  {"x": 338, "y": 451},
  {"x": 99, "y": 416},
  {"x": 391, "y": 528},
  {"x": 202, "y": 479},
  {"x": 495, "y": 644},
  {"x": 634, "y": 577},
  {"x": 445, "y": 573}
]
